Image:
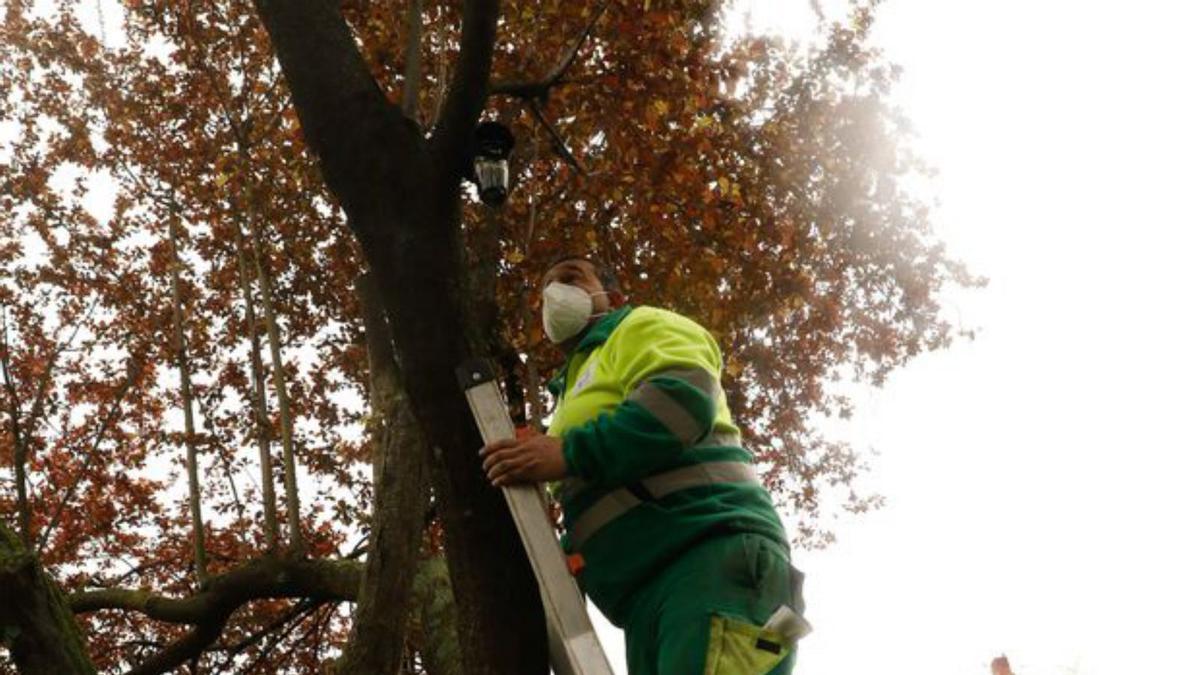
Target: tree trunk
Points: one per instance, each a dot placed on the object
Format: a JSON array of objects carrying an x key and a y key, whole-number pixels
[
  {"x": 261, "y": 419},
  {"x": 440, "y": 651},
  {"x": 401, "y": 194},
  {"x": 400, "y": 499},
  {"x": 189, "y": 425},
  {"x": 292, "y": 497},
  {"x": 36, "y": 624}
]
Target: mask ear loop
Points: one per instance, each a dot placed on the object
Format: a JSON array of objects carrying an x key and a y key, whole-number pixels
[{"x": 596, "y": 314}]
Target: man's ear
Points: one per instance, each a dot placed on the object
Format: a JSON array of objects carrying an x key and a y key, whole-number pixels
[{"x": 616, "y": 299}]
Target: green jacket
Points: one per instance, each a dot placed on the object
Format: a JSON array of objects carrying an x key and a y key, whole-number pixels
[{"x": 640, "y": 395}]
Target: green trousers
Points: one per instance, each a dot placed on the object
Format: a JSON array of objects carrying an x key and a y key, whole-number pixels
[{"x": 701, "y": 615}]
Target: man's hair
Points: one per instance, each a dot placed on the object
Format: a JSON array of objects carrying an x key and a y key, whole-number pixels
[{"x": 608, "y": 278}]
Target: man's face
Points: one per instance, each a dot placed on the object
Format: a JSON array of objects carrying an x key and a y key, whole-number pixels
[{"x": 581, "y": 274}]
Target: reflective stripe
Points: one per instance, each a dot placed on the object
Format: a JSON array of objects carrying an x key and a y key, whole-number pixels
[
  {"x": 705, "y": 473},
  {"x": 697, "y": 377},
  {"x": 620, "y": 501},
  {"x": 720, "y": 439},
  {"x": 667, "y": 410},
  {"x": 602, "y": 513},
  {"x": 572, "y": 486}
]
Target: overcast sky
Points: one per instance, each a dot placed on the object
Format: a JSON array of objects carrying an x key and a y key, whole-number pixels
[{"x": 1040, "y": 479}]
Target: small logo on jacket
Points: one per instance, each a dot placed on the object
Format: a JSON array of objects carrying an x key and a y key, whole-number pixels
[{"x": 583, "y": 380}]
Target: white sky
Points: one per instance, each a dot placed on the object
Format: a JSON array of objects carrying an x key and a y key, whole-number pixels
[{"x": 1040, "y": 479}]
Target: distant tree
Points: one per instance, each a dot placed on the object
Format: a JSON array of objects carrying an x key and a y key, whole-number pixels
[{"x": 290, "y": 269}]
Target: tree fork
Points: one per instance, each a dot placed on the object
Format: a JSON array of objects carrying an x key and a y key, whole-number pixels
[{"x": 402, "y": 198}]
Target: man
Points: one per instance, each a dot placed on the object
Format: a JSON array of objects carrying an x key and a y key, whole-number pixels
[{"x": 680, "y": 544}]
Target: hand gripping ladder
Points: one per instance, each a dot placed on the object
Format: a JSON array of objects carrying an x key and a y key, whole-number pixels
[{"x": 574, "y": 647}]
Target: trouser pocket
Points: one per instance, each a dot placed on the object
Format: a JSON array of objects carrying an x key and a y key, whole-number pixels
[{"x": 738, "y": 647}]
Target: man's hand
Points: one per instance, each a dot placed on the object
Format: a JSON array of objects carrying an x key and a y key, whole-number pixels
[{"x": 531, "y": 459}]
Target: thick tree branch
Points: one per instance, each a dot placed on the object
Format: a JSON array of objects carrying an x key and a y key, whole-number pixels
[
  {"x": 401, "y": 196},
  {"x": 267, "y": 577},
  {"x": 315, "y": 580},
  {"x": 341, "y": 108},
  {"x": 453, "y": 135}
]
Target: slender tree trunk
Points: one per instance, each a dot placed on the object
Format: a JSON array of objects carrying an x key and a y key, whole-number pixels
[
  {"x": 400, "y": 499},
  {"x": 296, "y": 541},
  {"x": 20, "y": 450},
  {"x": 262, "y": 422},
  {"x": 189, "y": 426},
  {"x": 39, "y": 628}
]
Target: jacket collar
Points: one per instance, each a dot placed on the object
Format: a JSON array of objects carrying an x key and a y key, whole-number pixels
[{"x": 595, "y": 337}]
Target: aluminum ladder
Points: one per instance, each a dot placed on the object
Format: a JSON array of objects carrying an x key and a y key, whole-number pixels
[{"x": 574, "y": 647}]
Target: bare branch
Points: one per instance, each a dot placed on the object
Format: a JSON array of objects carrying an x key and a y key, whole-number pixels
[
  {"x": 412, "y": 60},
  {"x": 279, "y": 637},
  {"x": 296, "y": 611},
  {"x": 540, "y": 89},
  {"x": 560, "y": 147},
  {"x": 316, "y": 580},
  {"x": 133, "y": 370}
]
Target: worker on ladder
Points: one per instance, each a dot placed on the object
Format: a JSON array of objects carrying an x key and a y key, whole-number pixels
[{"x": 669, "y": 530}]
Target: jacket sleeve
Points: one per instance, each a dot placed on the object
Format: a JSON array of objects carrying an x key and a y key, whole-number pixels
[{"x": 669, "y": 373}]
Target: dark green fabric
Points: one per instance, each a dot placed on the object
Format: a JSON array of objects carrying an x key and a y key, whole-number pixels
[
  {"x": 628, "y": 552},
  {"x": 741, "y": 576}
]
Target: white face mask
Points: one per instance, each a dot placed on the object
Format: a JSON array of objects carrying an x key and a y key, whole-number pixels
[{"x": 566, "y": 310}]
